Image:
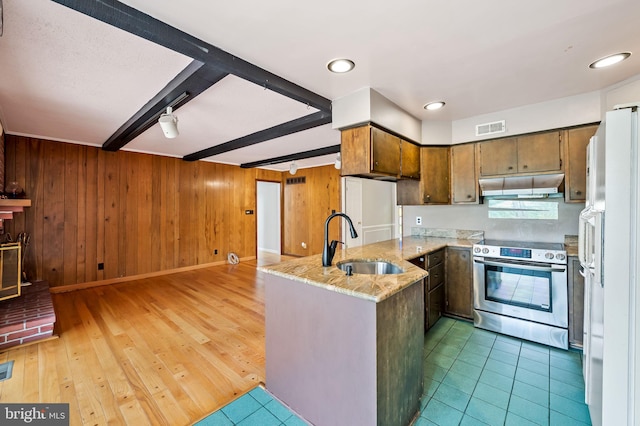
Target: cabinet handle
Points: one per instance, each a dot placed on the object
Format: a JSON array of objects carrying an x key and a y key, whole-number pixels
[
  {"x": 510, "y": 168},
  {"x": 579, "y": 192},
  {"x": 525, "y": 166},
  {"x": 469, "y": 196}
]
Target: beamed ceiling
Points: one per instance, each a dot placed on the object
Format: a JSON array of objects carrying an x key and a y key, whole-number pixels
[{"x": 248, "y": 80}]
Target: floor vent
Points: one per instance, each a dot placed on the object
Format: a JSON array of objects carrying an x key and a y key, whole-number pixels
[
  {"x": 296, "y": 180},
  {"x": 490, "y": 128},
  {"x": 6, "y": 369}
]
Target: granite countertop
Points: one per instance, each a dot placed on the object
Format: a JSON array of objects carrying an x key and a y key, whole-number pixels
[
  {"x": 309, "y": 270},
  {"x": 571, "y": 245}
]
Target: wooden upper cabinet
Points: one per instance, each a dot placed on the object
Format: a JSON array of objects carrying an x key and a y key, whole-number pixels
[
  {"x": 576, "y": 141},
  {"x": 498, "y": 157},
  {"x": 372, "y": 152},
  {"x": 435, "y": 175},
  {"x": 538, "y": 153},
  {"x": 410, "y": 160},
  {"x": 385, "y": 152},
  {"x": 464, "y": 183}
]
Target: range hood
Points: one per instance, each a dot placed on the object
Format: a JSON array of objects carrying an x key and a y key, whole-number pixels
[{"x": 537, "y": 186}]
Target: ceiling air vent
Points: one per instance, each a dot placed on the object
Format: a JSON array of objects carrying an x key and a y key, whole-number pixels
[{"x": 491, "y": 128}]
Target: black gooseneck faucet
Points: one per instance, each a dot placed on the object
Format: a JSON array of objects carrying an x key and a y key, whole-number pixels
[{"x": 329, "y": 249}]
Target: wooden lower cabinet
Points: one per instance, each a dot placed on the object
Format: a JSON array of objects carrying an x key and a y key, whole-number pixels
[
  {"x": 435, "y": 299},
  {"x": 576, "y": 302},
  {"x": 459, "y": 282}
]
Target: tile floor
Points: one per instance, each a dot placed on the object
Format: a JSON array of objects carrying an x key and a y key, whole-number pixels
[{"x": 471, "y": 377}]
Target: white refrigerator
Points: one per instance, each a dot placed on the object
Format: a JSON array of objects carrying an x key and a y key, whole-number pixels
[{"x": 609, "y": 254}]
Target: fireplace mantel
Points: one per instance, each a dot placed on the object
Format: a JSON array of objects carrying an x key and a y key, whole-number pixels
[{"x": 9, "y": 206}]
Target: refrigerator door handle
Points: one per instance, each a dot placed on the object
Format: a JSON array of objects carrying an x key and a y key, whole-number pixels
[{"x": 598, "y": 255}]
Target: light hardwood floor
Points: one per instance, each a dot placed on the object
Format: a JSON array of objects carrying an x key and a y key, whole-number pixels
[{"x": 162, "y": 351}]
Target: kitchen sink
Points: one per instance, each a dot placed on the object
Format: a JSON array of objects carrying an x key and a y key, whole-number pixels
[{"x": 372, "y": 267}]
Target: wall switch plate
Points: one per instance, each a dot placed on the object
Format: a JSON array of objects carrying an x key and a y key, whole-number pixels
[{"x": 418, "y": 220}]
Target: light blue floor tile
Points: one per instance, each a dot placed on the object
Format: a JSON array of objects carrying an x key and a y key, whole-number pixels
[
  {"x": 559, "y": 419},
  {"x": 528, "y": 410},
  {"x": 241, "y": 408},
  {"x": 506, "y": 357},
  {"x": 567, "y": 390},
  {"x": 440, "y": 360},
  {"x": 278, "y": 410},
  {"x": 534, "y": 355},
  {"x": 475, "y": 348},
  {"x": 441, "y": 414},
  {"x": 497, "y": 380},
  {"x": 515, "y": 420},
  {"x": 216, "y": 419},
  {"x": 567, "y": 354},
  {"x": 531, "y": 393},
  {"x": 575, "y": 410},
  {"x": 466, "y": 369},
  {"x": 470, "y": 421},
  {"x": 421, "y": 421},
  {"x": 500, "y": 367},
  {"x": 535, "y": 347},
  {"x": 465, "y": 384},
  {"x": 571, "y": 365},
  {"x": 261, "y": 395},
  {"x": 456, "y": 341},
  {"x": 447, "y": 349},
  {"x": 534, "y": 379},
  {"x": 492, "y": 395},
  {"x": 485, "y": 412},
  {"x": 507, "y": 346},
  {"x": 472, "y": 358},
  {"x": 453, "y": 397},
  {"x": 434, "y": 371},
  {"x": 509, "y": 339},
  {"x": 262, "y": 417},
  {"x": 481, "y": 340},
  {"x": 430, "y": 387},
  {"x": 534, "y": 366},
  {"x": 566, "y": 376},
  {"x": 295, "y": 421}
]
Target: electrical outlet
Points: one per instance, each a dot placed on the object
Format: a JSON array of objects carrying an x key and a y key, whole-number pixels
[
  {"x": 100, "y": 266},
  {"x": 418, "y": 220}
]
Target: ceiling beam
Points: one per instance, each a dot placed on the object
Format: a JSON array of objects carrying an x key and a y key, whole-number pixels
[
  {"x": 135, "y": 22},
  {"x": 299, "y": 124},
  {"x": 333, "y": 149},
  {"x": 193, "y": 80}
]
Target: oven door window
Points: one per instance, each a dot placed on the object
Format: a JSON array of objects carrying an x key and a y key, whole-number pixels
[{"x": 518, "y": 287}]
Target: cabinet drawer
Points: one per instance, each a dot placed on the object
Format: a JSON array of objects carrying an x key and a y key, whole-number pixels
[
  {"x": 435, "y": 258},
  {"x": 436, "y": 276}
]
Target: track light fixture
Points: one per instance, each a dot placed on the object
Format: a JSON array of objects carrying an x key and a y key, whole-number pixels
[
  {"x": 169, "y": 123},
  {"x": 293, "y": 168}
]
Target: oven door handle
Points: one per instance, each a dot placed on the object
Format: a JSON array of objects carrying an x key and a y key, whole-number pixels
[{"x": 521, "y": 266}]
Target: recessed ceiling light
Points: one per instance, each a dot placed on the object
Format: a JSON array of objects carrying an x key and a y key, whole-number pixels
[
  {"x": 341, "y": 65},
  {"x": 433, "y": 105},
  {"x": 610, "y": 60}
]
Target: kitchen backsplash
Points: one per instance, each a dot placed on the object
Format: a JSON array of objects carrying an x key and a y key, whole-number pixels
[{"x": 463, "y": 234}]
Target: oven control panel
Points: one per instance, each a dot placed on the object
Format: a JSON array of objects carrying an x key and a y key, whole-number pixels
[{"x": 533, "y": 254}]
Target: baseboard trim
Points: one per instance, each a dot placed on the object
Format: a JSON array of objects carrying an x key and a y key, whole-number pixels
[{"x": 90, "y": 284}]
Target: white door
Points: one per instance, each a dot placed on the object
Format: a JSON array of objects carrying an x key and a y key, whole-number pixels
[{"x": 268, "y": 212}]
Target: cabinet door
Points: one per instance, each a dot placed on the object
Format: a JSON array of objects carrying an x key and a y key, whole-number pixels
[
  {"x": 539, "y": 153},
  {"x": 576, "y": 303},
  {"x": 410, "y": 164},
  {"x": 576, "y": 141},
  {"x": 436, "y": 305},
  {"x": 459, "y": 282},
  {"x": 464, "y": 183},
  {"x": 385, "y": 152},
  {"x": 435, "y": 175},
  {"x": 498, "y": 157}
]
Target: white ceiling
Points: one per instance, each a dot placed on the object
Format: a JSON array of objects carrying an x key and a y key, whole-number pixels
[{"x": 68, "y": 77}]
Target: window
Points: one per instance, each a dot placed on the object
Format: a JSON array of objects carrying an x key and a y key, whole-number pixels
[{"x": 523, "y": 209}]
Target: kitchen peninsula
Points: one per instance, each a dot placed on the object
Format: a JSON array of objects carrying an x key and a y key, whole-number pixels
[{"x": 344, "y": 350}]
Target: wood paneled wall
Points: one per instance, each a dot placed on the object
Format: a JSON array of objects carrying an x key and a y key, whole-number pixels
[
  {"x": 307, "y": 206},
  {"x": 135, "y": 213}
]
